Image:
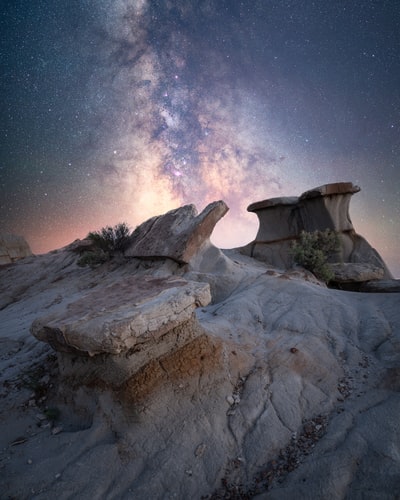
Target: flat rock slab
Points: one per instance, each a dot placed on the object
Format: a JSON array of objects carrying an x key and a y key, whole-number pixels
[
  {"x": 349, "y": 272},
  {"x": 381, "y": 286},
  {"x": 117, "y": 318}
]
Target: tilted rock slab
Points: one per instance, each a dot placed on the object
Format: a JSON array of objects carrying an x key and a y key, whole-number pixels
[
  {"x": 179, "y": 234},
  {"x": 115, "y": 330}
]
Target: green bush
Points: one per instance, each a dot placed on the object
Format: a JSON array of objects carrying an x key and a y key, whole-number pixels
[
  {"x": 111, "y": 239},
  {"x": 93, "y": 258},
  {"x": 107, "y": 242},
  {"x": 313, "y": 250}
]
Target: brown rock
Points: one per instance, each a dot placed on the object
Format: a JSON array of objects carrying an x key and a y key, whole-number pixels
[
  {"x": 349, "y": 272},
  {"x": 324, "y": 207},
  {"x": 110, "y": 333}
]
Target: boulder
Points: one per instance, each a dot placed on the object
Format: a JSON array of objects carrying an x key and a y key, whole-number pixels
[
  {"x": 179, "y": 234},
  {"x": 115, "y": 330},
  {"x": 349, "y": 272},
  {"x": 12, "y": 248}
]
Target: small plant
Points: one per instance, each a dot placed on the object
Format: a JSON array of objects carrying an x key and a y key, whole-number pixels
[
  {"x": 106, "y": 242},
  {"x": 313, "y": 250},
  {"x": 111, "y": 239},
  {"x": 93, "y": 258}
]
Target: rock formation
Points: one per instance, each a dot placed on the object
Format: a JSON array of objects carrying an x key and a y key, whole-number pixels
[
  {"x": 13, "y": 248},
  {"x": 178, "y": 235},
  {"x": 325, "y": 207},
  {"x": 123, "y": 326},
  {"x": 192, "y": 372}
]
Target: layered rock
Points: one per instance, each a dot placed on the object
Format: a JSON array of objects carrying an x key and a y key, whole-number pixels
[
  {"x": 12, "y": 248},
  {"x": 179, "y": 234},
  {"x": 114, "y": 331},
  {"x": 381, "y": 286},
  {"x": 355, "y": 273},
  {"x": 278, "y": 372},
  {"x": 324, "y": 207}
]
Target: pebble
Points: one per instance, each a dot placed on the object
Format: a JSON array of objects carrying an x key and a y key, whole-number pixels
[
  {"x": 29, "y": 461},
  {"x": 200, "y": 450},
  {"x": 45, "y": 379},
  {"x": 230, "y": 400},
  {"x": 56, "y": 430}
]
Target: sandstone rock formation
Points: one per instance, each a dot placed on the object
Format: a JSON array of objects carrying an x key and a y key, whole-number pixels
[
  {"x": 129, "y": 323},
  {"x": 325, "y": 207},
  {"x": 354, "y": 273},
  {"x": 278, "y": 388},
  {"x": 178, "y": 234},
  {"x": 13, "y": 248}
]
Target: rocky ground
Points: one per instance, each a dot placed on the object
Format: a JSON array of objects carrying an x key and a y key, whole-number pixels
[{"x": 284, "y": 389}]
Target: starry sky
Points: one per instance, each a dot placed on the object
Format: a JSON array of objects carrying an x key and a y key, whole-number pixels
[{"x": 118, "y": 110}]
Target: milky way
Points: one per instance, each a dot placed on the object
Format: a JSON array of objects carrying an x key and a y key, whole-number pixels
[{"x": 120, "y": 110}]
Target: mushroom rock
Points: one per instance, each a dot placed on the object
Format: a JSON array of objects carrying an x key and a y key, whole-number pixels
[
  {"x": 179, "y": 234},
  {"x": 324, "y": 207},
  {"x": 12, "y": 248},
  {"x": 109, "y": 334}
]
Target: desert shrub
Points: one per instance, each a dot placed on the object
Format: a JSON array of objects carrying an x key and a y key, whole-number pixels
[
  {"x": 111, "y": 239},
  {"x": 93, "y": 258},
  {"x": 313, "y": 250},
  {"x": 106, "y": 243}
]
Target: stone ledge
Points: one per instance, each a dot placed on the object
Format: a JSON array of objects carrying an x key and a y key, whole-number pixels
[
  {"x": 350, "y": 272},
  {"x": 120, "y": 317}
]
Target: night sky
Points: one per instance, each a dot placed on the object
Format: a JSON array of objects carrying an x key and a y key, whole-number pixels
[{"x": 118, "y": 110}]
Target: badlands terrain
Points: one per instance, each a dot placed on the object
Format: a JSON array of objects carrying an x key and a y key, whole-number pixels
[{"x": 178, "y": 370}]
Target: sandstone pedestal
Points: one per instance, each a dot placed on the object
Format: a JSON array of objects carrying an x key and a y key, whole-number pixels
[
  {"x": 109, "y": 334},
  {"x": 324, "y": 207}
]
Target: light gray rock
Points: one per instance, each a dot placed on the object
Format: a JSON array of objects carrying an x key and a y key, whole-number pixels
[
  {"x": 122, "y": 316},
  {"x": 289, "y": 354},
  {"x": 179, "y": 234},
  {"x": 12, "y": 248}
]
